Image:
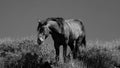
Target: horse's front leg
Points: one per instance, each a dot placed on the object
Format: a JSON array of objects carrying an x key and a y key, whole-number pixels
[
  {"x": 71, "y": 45},
  {"x": 57, "y": 51},
  {"x": 64, "y": 52}
]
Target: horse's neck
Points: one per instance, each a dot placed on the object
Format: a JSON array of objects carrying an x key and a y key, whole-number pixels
[{"x": 57, "y": 28}]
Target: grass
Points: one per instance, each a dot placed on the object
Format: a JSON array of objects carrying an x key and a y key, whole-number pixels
[{"x": 26, "y": 53}]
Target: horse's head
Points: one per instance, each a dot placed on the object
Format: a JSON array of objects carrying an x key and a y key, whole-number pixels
[
  {"x": 47, "y": 26},
  {"x": 43, "y": 31}
]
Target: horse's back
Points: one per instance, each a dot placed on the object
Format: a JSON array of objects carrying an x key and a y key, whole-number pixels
[{"x": 75, "y": 27}]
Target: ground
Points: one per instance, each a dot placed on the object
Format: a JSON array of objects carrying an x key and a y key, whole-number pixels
[{"x": 26, "y": 53}]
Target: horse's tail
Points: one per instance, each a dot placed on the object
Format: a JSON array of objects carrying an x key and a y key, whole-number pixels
[
  {"x": 84, "y": 35},
  {"x": 83, "y": 42}
]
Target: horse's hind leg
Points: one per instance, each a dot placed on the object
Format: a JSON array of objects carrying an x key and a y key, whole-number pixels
[{"x": 79, "y": 42}]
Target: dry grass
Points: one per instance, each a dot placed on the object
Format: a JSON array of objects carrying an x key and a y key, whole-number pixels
[{"x": 25, "y": 53}]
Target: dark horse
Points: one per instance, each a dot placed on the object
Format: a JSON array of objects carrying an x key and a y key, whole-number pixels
[{"x": 64, "y": 32}]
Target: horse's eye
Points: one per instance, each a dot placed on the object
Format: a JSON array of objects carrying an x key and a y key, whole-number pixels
[{"x": 41, "y": 30}]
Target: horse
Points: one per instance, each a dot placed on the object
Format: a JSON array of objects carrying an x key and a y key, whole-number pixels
[{"x": 70, "y": 32}]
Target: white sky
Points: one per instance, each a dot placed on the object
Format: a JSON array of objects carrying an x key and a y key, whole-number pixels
[{"x": 18, "y": 18}]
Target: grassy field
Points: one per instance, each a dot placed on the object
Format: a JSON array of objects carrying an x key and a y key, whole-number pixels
[{"x": 25, "y": 53}]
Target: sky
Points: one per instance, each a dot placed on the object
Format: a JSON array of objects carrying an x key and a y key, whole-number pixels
[{"x": 101, "y": 18}]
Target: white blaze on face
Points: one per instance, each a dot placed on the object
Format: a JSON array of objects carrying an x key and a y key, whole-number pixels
[{"x": 41, "y": 39}]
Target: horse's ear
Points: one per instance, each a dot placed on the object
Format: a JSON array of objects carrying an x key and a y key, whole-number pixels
[{"x": 39, "y": 21}]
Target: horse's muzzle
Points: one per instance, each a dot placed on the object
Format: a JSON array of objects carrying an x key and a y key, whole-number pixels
[{"x": 39, "y": 41}]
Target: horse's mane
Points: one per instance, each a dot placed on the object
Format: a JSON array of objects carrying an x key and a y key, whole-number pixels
[{"x": 59, "y": 21}]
